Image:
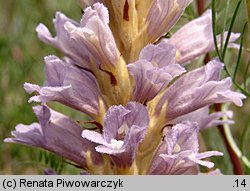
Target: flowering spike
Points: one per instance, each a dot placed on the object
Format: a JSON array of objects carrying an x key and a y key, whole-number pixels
[{"x": 147, "y": 108}]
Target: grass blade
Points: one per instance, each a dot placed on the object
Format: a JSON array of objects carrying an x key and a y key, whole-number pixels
[
  {"x": 224, "y": 24},
  {"x": 214, "y": 28}
]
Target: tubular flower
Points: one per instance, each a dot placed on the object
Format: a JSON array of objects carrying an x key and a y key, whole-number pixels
[
  {"x": 196, "y": 38},
  {"x": 71, "y": 86},
  {"x": 195, "y": 90},
  {"x": 178, "y": 152},
  {"x": 91, "y": 45},
  {"x": 124, "y": 128},
  {"x": 137, "y": 23},
  {"x": 147, "y": 108}
]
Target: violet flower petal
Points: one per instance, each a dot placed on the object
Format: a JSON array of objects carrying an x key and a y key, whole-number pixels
[
  {"x": 95, "y": 36},
  {"x": 149, "y": 80},
  {"x": 159, "y": 55},
  {"x": 86, "y": 3},
  {"x": 204, "y": 119},
  {"x": 124, "y": 128},
  {"x": 94, "y": 137},
  {"x": 89, "y": 41},
  {"x": 212, "y": 172},
  {"x": 197, "y": 158},
  {"x": 179, "y": 151},
  {"x": 62, "y": 40},
  {"x": 69, "y": 85},
  {"x": 162, "y": 56},
  {"x": 197, "y": 89},
  {"x": 195, "y": 38},
  {"x": 56, "y": 133},
  {"x": 154, "y": 71},
  {"x": 163, "y": 15}
]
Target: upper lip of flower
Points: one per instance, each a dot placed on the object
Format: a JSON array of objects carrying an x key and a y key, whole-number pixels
[{"x": 132, "y": 119}]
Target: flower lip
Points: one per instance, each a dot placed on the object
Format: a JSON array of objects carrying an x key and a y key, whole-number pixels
[{"x": 124, "y": 128}]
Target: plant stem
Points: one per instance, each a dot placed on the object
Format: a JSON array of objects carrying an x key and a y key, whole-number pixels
[
  {"x": 237, "y": 168},
  {"x": 200, "y": 6}
]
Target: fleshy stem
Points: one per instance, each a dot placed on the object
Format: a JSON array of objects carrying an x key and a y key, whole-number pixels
[{"x": 222, "y": 129}]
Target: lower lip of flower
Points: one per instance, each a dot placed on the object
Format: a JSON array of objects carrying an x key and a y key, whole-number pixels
[{"x": 116, "y": 144}]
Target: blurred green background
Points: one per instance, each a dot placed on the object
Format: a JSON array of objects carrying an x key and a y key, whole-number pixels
[{"x": 21, "y": 60}]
